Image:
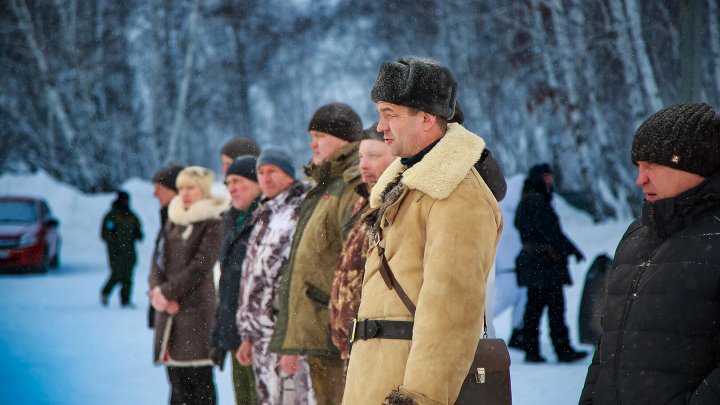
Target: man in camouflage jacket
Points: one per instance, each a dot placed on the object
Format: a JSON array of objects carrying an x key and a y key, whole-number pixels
[
  {"x": 375, "y": 157},
  {"x": 268, "y": 249}
]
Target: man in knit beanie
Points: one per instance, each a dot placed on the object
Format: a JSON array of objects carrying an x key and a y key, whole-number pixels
[
  {"x": 303, "y": 324},
  {"x": 236, "y": 147},
  {"x": 660, "y": 328},
  {"x": 434, "y": 225},
  {"x": 267, "y": 251}
]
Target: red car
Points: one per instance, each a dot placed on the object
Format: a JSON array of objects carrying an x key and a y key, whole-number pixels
[{"x": 29, "y": 237}]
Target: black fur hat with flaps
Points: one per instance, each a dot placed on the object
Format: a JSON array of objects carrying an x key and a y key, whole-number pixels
[
  {"x": 416, "y": 82},
  {"x": 683, "y": 136}
]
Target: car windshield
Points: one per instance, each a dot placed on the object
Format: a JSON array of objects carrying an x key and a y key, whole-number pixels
[{"x": 18, "y": 211}]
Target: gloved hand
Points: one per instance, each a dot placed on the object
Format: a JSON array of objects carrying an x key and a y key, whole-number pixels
[{"x": 217, "y": 355}]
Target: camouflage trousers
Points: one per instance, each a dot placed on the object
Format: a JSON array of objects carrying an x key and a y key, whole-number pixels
[{"x": 275, "y": 387}]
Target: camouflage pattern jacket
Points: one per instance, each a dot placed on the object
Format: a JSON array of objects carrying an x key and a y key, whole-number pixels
[
  {"x": 345, "y": 293},
  {"x": 265, "y": 261}
]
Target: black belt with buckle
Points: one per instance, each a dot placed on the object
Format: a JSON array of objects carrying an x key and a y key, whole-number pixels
[{"x": 380, "y": 329}]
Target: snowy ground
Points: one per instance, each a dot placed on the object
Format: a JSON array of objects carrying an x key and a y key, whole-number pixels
[{"x": 59, "y": 346}]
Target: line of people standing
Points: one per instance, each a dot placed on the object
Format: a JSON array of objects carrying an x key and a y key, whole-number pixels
[
  {"x": 397, "y": 236},
  {"x": 292, "y": 258}
]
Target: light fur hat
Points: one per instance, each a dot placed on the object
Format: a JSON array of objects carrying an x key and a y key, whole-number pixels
[{"x": 197, "y": 176}]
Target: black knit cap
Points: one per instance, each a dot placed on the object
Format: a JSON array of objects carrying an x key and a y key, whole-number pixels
[
  {"x": 240, "y": 146},
  {"x": 167, "y": 176},
  {"x": 416, "y": 82},
  {"x": 371, "y": 132},
  {"x": 338, "y": 120},
  {"x": 244, "y": 166},
  {"x": 683, "y": 136}
]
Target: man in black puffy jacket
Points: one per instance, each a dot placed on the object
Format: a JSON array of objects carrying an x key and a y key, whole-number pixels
[{"x": 661, "y": 320}]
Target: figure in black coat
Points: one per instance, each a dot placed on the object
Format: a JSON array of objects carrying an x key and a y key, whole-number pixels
[
  {"x": 660, "y": 341},
  {"x": 241, "y": 182},
  {"x": 120, "y": 229},
  {"x": 542, "y": 266}
]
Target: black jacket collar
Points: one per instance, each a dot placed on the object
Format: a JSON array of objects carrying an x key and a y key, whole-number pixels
[{"x": 669, "y": 215}]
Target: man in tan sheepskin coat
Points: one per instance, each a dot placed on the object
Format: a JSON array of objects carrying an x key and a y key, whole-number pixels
[{"x": 438, "y": 224}]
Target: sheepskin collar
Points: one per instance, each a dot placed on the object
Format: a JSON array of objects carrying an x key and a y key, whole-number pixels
[
  {"x": 441, "y": 170},
  {"x": 207, "y": 208}
]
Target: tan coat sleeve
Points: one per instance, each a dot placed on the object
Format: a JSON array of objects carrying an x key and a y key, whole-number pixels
[{"x": 461, "y": 238}]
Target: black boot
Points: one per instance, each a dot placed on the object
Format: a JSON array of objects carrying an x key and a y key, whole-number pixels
[
  {"x": 570, "y": 355},
  {"x": 532, "y": 351},
  {"x": 516, "y": 340},
  {"x": 531, "y": 357}
]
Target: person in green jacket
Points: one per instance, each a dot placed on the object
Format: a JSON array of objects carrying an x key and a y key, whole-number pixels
[
  {"x": 120, "y": 229},
  {"x": 303, "y": 323}
]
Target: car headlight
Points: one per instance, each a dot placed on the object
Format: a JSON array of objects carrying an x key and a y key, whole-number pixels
[{"x": 28, "y": 239}]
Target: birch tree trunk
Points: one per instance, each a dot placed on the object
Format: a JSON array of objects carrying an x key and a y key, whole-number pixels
[
  {"x": 714, "y": 42},
  {"x": 647, "y": 74},
  {"x": 629, "y": 67},
  {"x": 174, "y": 149},
  {"x": 570, "y": 58},
  {"x": 54, "y": 101}
]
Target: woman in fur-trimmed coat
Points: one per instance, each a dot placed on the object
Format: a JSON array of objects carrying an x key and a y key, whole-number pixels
[
  {"x": 182, "y": 291},
  {"x": 439, "y": 224}
]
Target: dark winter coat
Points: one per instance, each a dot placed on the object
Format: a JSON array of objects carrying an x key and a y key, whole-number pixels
[
  {"x": 120, "y": 229},
  {"x": 192, "y": 246},
  {"x": 661, "y": 321},
  {"x": 543, "y": 259},
  {"x": 491, "y": 172},
  {"x": 234, "y": 247},
  {"x": 156, "y": 261}
]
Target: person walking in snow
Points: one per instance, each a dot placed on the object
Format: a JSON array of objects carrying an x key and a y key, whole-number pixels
[
  {"x": 241, "y": 182},
  {"x": 660, "y": 341},
  {"x": 183, "y": 293},
  {"x": 120, "y": 230},
  {"x": 268, "y": 249},
  {"x": 435, "y": 223},
  {"x": 542, "y": 266}
]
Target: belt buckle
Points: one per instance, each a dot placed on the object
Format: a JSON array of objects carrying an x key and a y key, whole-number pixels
[{"x": 354, "y": 328}]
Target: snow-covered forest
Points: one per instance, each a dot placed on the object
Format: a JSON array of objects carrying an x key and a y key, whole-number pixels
[{"x": 98, "y": 91}]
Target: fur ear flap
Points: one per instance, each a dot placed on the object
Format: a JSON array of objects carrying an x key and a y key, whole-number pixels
[{"x": 398, "y": 398}]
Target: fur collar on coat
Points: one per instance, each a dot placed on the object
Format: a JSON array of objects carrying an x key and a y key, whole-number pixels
[
  {"x": 440, "y": 171},
  {"x": 207, "y": 208}
]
